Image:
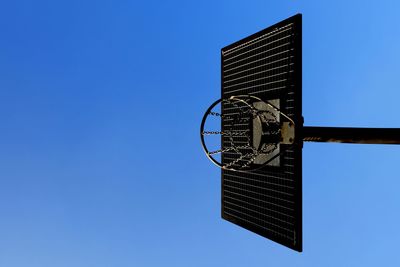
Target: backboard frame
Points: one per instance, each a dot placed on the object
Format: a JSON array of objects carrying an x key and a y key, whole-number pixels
[{"x": 297, "y": 147}]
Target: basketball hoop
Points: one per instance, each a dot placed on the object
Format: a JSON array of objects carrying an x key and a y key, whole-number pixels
[{"x": 252, "y": 134}]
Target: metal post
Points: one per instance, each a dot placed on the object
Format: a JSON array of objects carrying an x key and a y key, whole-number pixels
[{"x": 352, "y": 135}]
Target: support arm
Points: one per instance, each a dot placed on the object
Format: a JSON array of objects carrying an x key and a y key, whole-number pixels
[{"x": 352, "y": 135}]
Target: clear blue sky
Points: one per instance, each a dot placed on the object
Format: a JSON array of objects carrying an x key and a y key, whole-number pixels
[{"x": 100, "y": 159}]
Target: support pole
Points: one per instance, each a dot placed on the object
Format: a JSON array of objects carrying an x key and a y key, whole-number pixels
[{"x": 352, "y": 135}]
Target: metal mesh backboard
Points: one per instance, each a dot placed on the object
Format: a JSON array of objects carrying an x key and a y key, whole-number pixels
[{"x": 267, "y": 65}]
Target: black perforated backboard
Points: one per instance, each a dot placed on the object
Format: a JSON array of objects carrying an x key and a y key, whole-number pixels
[{"x": 267, "y": 64}]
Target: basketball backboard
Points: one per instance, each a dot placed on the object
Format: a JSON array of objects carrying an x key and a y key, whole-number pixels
[{"x": 267, "y": 65}]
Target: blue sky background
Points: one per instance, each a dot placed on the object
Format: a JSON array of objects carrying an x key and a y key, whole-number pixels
[{"x": 100, "y": 159}]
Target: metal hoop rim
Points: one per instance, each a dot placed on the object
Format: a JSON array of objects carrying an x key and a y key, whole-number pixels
[{"x": 238, "y": 98}]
